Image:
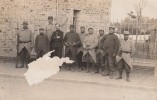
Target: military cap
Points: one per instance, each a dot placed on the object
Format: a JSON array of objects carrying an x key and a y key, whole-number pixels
[
  {"x": 72, "y": 26},
  {"x": 90, "y": 28},
  {"x": 101, "y": 30},
  {"x": 126, "y": 33},
  {"x": 57, "y": 24},
  {"x": 82, "y": 27},
  {"x": 113, "y": 27},
  {"x": 50, "y": 17},
  {"x": 25, "y": 22},
  {"x": 41, "y": 28}
]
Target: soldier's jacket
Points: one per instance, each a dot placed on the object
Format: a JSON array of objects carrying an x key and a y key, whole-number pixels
[
  {"x": 99, "y": 48},
  {"x": 82, "y": 36},
  {"x": 111, "y": 43},
  {"x": 71, "y": 38},
  {"x": 49, "y": 30},
  {"x": 26, "y": 39},
  {"x": 41, "y": 43},
  {"x": 56, "y": 39},
  {"x": 91, "y": 41},
  {"x": 126, "y": 51}
]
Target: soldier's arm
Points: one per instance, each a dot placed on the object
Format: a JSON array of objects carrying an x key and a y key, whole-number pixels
[
  {"x": 46, "y": 30},
  {"x": 78, "y": 42},
  {"x": 51, "y": 40},
  {"x": 32, "y": 39},
  {"x": 61, "y": 38},
  {"x": 52, "y": 36},
  {"x": 102, "y": 41},
  {"x": 36, "y": 44},
  {"x": 132, "y": 48},
  {"x": 84, "y": 45},
  {"x": 18, "y": 36},
  {"x": 117, "y": 44},
  {"x": 48, "y": 43},
  {"x": 65, "y": 40}
]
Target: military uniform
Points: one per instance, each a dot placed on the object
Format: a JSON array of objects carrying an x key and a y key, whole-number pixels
[
  {"x": 89, "y": 56},
  {"x": 49, "y": 30},
  {"x": 73, "y": 41},
  {"x": 124, "y": 61},
  {"x": 26, "y": 41},
  {"x": 80, "y": 52},
  {"x": 100, "y": 54},
  {"x": 41, "y": 45},
  {"x": 56, "y": 43},
  {"x": 111, "y": 47}
]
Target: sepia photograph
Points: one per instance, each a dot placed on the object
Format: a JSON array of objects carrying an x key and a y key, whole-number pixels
[{"x": 78, "y": 49}]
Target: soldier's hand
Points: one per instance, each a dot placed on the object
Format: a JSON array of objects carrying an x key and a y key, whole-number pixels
[
  {"x": 87, "y": 48},
  {"x": 31, "y": 48},
  {"x": 67, "y": 44},
  {"x": 114, "y": 55},
  {"x": 73, "y": 44},
  {"x": 131, "y": 56}
]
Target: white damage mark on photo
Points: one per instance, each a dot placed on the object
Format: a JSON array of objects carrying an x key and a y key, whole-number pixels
[{"x": 44, "y": 68}]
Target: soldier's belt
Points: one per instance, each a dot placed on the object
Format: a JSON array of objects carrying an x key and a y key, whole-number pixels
[
  {"x": 24, "y": 41},
  {"x": 126, "y": 52}
]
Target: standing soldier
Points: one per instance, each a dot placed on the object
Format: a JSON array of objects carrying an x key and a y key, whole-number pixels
[
  {"x": 71, "y": 41},
  {"x": 41, "y": 43},
  {"x": 56, "y": 42},
  {"x": 100, "y": 52},
  {"x": 50, "y": 27},
  {"x": 126, "y": 51},
  {"x": 80, "y": 49},
  {"x": 26, "y": 40},
  {"x": 111, "y": 47},
  {"x": 89, "y": 44}
]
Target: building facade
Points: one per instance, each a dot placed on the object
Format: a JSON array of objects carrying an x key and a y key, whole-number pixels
[{"x": 88, "y": 13}]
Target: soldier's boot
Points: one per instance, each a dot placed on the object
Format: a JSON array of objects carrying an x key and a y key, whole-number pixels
[
  {"x": 94, "y": 69},
  {"x": 106, "y": 74},
  {"x": 27, "y": 62},
  {"x": 101, "y": 69},
  {"x": 72, "y": 67},
  {"x": 22, "y": 63},
  {"x": 111, "y": 75},
  {"x": 87, "y": 67},
  {"x": 80, "y": 68},
  {"x": 127, "y": 77},
  {"x": 69, "y": 67},
  {"x": 120, "y": 75}
]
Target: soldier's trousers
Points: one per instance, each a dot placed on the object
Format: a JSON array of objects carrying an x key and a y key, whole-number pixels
[
  {"x": 24, "y": 54},
  {"x": 71, "y": 53},
  {"x": 110, "y": 62},
  {"x": 57, "y": 52},
  {"x": 79, "y": 59},
  {"x": 122, "y": 65},
  {"x": 100, "y": 59},
  {"x": 40, "y": 54}
]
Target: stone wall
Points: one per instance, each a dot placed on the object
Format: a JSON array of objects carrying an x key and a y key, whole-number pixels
[{"x": 90, "y": 13}]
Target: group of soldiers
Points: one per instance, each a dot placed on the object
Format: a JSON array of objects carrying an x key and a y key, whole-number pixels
[{"x": 97, "y": 53}]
